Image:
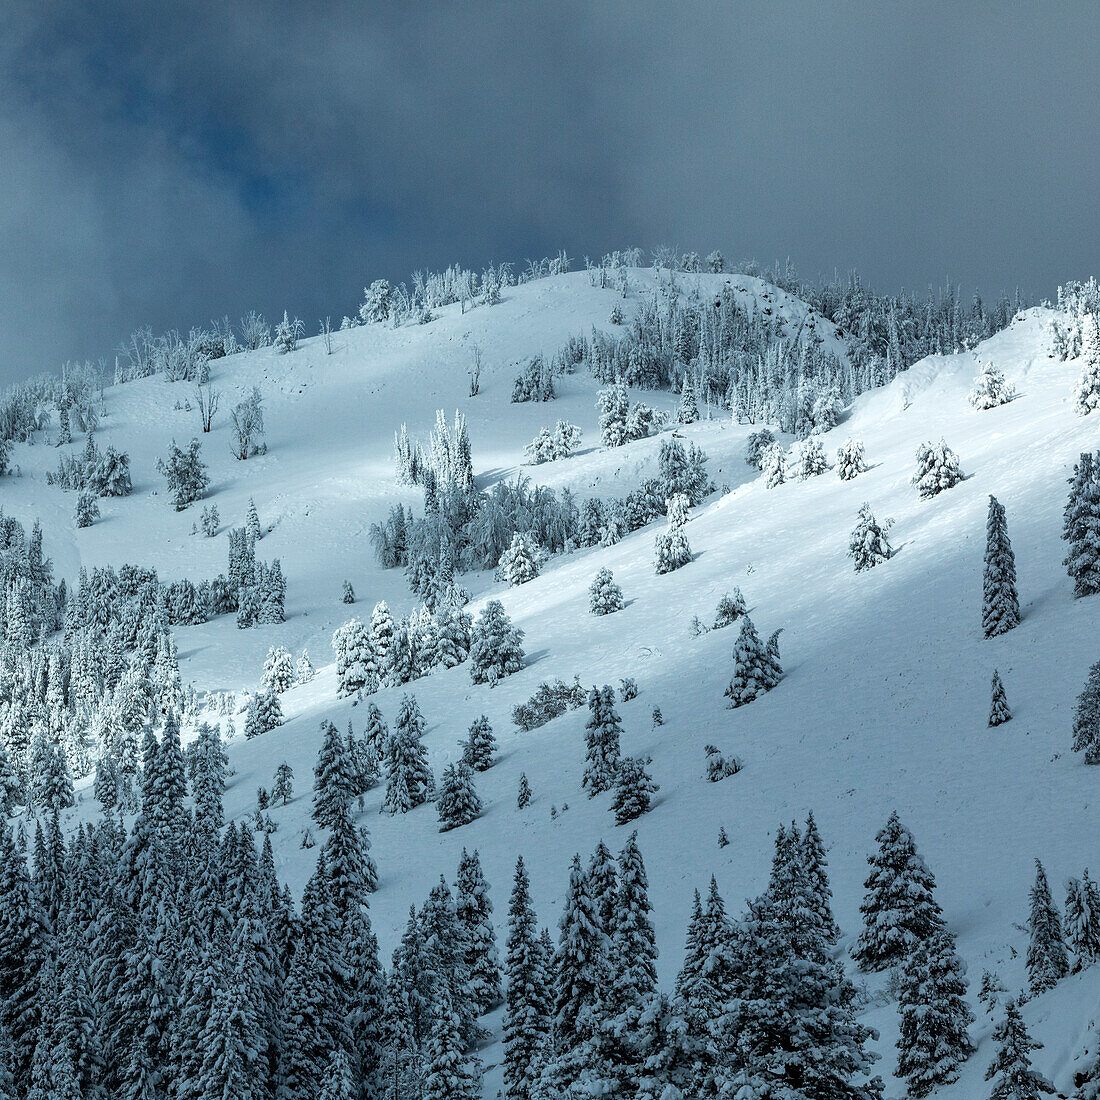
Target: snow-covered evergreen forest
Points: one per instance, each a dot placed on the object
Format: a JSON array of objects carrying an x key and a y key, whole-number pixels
[{"x": 639, "y": 678}]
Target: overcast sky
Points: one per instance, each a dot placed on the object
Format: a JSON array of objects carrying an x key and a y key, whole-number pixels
[{"x": 166, "y": 163}]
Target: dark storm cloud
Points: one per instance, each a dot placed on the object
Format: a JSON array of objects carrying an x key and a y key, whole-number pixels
[{"x": 171, "y": 162}]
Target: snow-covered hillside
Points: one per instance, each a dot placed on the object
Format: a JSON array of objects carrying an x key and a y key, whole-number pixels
[{"x": 885, "y": 693}]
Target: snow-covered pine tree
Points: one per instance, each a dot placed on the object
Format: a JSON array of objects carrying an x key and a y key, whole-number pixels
[
  {"x": 333, "y": 779},
  {"x": 211, "y": 521},
  {"x": 381, "y": 635},
  {"x": 87, "y": 509},
  {"x": 788, "y": 1011},
  {"x": 998, "y": 707},
  {"x": 1086, "y": 718},
  {"x": 811, "y": 459},
  {"x": 495, "y": 646},
  {"x": 634, "y": 789},
  {"x": 614, "y": 406},
  {"x": 754, "y": 670},
  {"x": 989, "y": 989},
  {"x": 757, "y": 444},
  {"x": 604, "y": 595},
  {"x": 523, "y": 798},
  {"x": 252, "y": 522},
  {"x": 1000, "y": 602},
  {"x": 357, "y": 665},
  {"x": 869, "y": 543},
  {"x": 338, "y": 1083},
  {"x": 899, "y": 910},
  {"x": 450, "y": 1073},
  {"x": 602, "y": 735},
  {"x": 453, "y": 629},
  {"x": 409, "y": 780},
  {"x": 1082, "y": 923},
  {"x": 773, "y": 465},
  {"x": 1081, "y": 526},
  {"x": 521, "y": 561},
  {"x": 479, "y": 748},
  {"x": 457, "y": 802},
  {"x": 524, "y": 1026},
  {"x": 603, "y": 886},
  {"x": 185, "y": 473},
  {"x": 672, "y": 549},
  {"x": 1011, "y": 1071},
  {"x": 935, "y": 1018},
  {"x": 474, "y": 912},
  {"x": 1047, "y": 962},
  {"x": 578, "y": 970},
  {"x": 850, "y": 460},
  {"x": 363, "y": 763},
  {"x": 730, "y": 608},
  {"x": 376, "y": 732},
  {"x": 632, "y": 981},
  {"x": 282, "y": 790},
  {"x": 688, "y": 411},
  {"x": 303, "y": 669},
  {"x": 278, "y": 674},
  {"x": 1086, "y": 395},
  {"x": 990, "y": 388},
  {"x": 812, "y": 853},
  {"x": 348, "y": 594},
  {"x": 49, "y": 784},
  {"x": 937, "y": 469},
  {"x": 264, "y": 713}
]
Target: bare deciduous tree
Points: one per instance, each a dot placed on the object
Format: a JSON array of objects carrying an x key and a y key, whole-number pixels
[
  {"x": 475, "y": 372},
  {"x": 206, "y": 398},
  {"x": 247, "y": 419}
]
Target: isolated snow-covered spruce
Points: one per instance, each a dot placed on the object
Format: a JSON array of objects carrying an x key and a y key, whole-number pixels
[{"x": 216, "y": 835}]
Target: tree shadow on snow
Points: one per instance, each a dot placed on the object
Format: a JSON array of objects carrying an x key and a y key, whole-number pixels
[
  {"x": 536, "y": 657},
  {"x": 488, "y": 478}
]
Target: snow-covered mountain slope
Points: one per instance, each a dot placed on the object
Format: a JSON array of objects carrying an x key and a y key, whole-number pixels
[{"x": 886, "y": 690}]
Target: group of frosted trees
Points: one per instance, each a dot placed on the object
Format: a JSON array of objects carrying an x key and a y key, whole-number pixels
[
  {"x": 399, "y": 759},
  {"x": 550, "y": 446},
  {"x": 169, "y": 956},
  {"x": 396, "y": 652},
  {"x": 806, "y": 460},
  {"x": 760, "y": 1004},
  {"x": 389, "y": 651},
  {"x": 82, "y": 697},
  {"x": 109, "y": 989},
  {"x": 726, "y": 352},
  {"x": 620, "y": 421},
  {"x": 513, "y": 526},
  {"x": 92, "y": 474},
  {"x": 903, "y": 927},
  {"x": 77, "y": 701}
]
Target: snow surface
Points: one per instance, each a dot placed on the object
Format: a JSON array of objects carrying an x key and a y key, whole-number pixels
[{"x": 886, "y": 688}]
